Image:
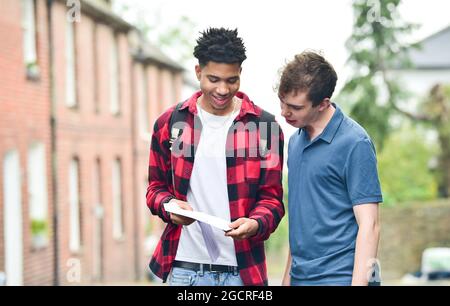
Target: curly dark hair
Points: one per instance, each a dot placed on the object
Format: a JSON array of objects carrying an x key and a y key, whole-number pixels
[
  {"x": 308, "y": 72},
  {"x": 221, "y": 46}
]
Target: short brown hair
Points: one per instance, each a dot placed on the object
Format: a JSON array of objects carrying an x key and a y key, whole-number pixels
[{"x": 309, "y": 72}]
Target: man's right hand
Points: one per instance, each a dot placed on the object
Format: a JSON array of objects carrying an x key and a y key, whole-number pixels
[{"x": 181, "y": 220}]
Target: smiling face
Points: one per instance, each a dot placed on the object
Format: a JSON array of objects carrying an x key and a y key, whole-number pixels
[{"x": 219, "y": 83}]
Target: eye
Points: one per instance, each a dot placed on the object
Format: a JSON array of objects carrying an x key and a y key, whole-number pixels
[
  {"x": 232, "y": 81},
  {"x": 213, "y": 80}
]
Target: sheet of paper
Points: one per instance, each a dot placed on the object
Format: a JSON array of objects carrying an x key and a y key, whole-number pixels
[{"x": 199, "y": 216}]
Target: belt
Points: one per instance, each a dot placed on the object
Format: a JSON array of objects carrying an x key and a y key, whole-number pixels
[{"x": 204, "y": 267}]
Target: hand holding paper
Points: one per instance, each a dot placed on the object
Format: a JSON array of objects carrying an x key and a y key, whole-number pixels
[
  {"x": 174, "y": 208},
  {"x": 243, "y": 228},
  {"x": 179, "y": 217}
]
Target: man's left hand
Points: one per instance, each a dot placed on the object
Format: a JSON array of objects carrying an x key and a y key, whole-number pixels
[{"x": 243, "y": 228}]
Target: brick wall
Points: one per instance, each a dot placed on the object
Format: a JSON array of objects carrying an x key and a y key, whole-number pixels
[
  {"x": 161, "y": 91},
  {"x": 25, "y": 114},
  {"x": 406, "y": 231},
  {"x": 90, "y": 135},
  {"x": 88, "y": 132}
]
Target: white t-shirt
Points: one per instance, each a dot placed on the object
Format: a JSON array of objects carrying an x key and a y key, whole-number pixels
[{"x": 208, "y": 192}]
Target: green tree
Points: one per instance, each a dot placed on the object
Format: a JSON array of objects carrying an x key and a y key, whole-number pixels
[
  {"x": 373, "y": 97},
  {"x": 178, "y": 40},
  {"x": 175, "y": 38},
  {"x": 375, "y": 46},
  {"x": 436, "y": 108},
  {"x": 404, "y": 167},
  {"x": 279, "y": 239}
]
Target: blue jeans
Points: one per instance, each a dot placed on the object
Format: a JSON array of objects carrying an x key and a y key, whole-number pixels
[{"x": 185, "y": 277}]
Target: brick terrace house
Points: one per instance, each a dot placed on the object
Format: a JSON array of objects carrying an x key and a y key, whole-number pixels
[
  {"x": 77, "y": 105},
  {"x": 26, "y": 197},
  {"x": 158, "y": 84}
]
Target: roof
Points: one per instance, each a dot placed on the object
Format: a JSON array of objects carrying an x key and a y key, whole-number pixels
[
  {"x": 144, "y": 51},
  {"x": 434, "y": 52},
  {"x": 101, "y": 11},
  {"x": 148, "y": 53}
]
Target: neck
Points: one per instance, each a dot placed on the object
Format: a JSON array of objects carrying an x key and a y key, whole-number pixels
[{"x": 316, "y": 128}]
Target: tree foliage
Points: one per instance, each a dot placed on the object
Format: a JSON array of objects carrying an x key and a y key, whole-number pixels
[
  {"x": 174, "y": 37},
  {"x": 376, "y": 45},
  {"x": 404, "y": 167}
]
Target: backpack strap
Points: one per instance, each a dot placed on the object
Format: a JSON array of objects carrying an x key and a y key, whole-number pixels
[{"x": 177, "y": 116}]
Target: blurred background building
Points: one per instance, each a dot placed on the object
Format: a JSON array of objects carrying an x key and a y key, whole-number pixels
[
  {"x": 81, "y": 85},
  {"x": 77, "y": 103},
  {"x": 430, "y": 65}
]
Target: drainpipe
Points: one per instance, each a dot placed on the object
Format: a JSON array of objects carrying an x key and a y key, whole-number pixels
[
  {"x": 56, "y": 279},
  {"x": 135, "y": 197}
]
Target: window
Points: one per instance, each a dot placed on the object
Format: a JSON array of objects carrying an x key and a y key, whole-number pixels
[
  {"x": 71, "y": 96},
  {"x": 74, "y": 203},
  {"x": 12, "y": 218},
  {"x": 95, "y": 45},
  {"x": 37, "y": 195},
  {"x": 98, "y": 182},
  {"x": 169, "y": 82},
  {"x": 118, "y": 230},
  {"x": 144, "y": 113},
  {"x": 29, "y": 34},
  {"x": 114, "y": 78},
  {"x": 97, "y": 229}
]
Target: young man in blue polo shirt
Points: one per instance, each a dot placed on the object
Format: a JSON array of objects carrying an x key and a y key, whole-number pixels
[{"x": 334, "y": 190}]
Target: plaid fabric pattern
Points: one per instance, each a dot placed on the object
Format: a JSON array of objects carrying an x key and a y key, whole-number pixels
[{"x": 253, "y": 191}]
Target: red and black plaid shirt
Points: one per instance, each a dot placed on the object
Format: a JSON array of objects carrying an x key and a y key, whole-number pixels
[{"x": 253, "y": 191}]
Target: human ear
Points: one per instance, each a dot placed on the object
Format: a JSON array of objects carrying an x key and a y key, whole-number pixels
[{"x": 198, "y": 72}]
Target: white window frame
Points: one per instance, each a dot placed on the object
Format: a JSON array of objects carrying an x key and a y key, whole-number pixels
[
  {"x": 114, "y": 84},
  {"x": 97, "y": 242},
  {"x": 74, "y": 206},
  {"x": 12, "y": 223},
  {"x": 37, "y": 192},
  {"x": 118, "y": 227},
  {"x": 71, "y": 86},
  {"x": 29, "y": 33},
  {"x": 144, "y": 124}
]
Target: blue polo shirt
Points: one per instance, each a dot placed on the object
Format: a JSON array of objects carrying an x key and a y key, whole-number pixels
[{"x": 327, "y": 178}]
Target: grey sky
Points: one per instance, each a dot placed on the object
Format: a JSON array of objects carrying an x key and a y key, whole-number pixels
[{"x": 274, "y": 31}]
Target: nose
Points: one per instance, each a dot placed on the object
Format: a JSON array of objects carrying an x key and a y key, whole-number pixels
[
  {"x": 284, "y": 111},
  {"x": 223, "y": 90}
]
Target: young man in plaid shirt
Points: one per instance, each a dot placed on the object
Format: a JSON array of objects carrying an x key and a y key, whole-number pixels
[{"x": 226, "y": 160}]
